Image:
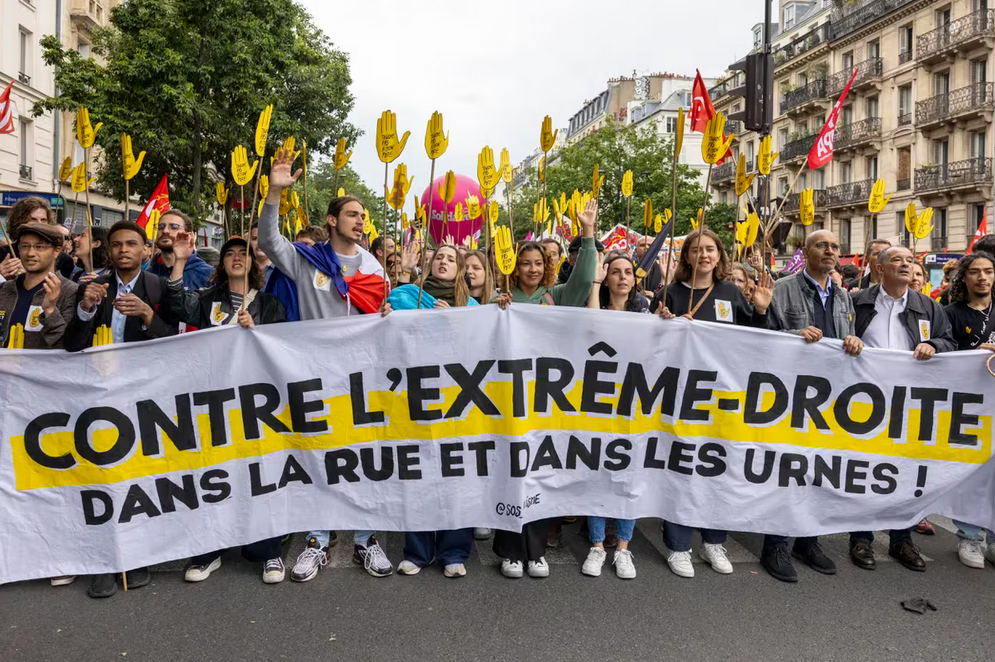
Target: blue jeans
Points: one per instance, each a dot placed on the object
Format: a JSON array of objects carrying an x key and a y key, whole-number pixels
[
  {"x": 972, "y": 532},
  {"x": 446, "y": 547},
  {"x": 358, "y": 537},
  {"x": 623, "y": 529},
  {"x": 678, "y": 537},
  {"x": 897, "y": 537}
]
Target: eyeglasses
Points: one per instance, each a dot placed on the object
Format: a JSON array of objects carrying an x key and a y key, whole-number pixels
[
  {"x": 34, "y": 247},
  {"x": 823, "y": 245},
  {"x": 171, "y": 226}
]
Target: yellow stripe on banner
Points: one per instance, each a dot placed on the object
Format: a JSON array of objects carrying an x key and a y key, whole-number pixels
[{"x": 723, "y": 425}]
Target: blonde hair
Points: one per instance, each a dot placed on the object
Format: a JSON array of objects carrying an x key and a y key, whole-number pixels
[
  {"x": 487, "y": 293},
  {"x": 461, "y": 293}
]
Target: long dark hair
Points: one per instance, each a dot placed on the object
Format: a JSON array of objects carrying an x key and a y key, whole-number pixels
[
  {"x": 101, "y": 253},
  {"x": 958, "y": 285},
  {"x": 220, "y": 276},
  {"x": 604, "y": 293},
  {"x": 685, "y": 270}
]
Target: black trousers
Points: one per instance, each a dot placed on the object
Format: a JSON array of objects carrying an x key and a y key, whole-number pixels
[
  {"x": 529, "y": 545},
  {"x": 263, "y": 550}
]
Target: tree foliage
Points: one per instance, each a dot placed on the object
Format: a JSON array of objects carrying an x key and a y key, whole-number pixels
[
  {"x": 321, "y": 190},
  {"x": 187, "y": 80}
]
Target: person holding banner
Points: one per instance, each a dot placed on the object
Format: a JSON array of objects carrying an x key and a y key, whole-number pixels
[
  {"x": 705, "y": 294},
  {"x": 811, "y": 305},
  {"x": 332, "y": 279},
  {"x": 891, "y": 316},
  {"x": 480, "y": 278},
  {"x": 970, "y": 315},
  {"x": 614, "y": 287}
]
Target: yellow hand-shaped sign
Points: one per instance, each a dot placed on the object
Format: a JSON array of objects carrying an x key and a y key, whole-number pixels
[
  {"x": 16, "y": 339},
  {"x": 262, "y": 129},
  {"x": 627, "y": 183},
  {"x": 66, "y": 169},
  {"x": 458, "y": 213},
  {"x": 397, "y": 195},
  {"x": 596, "y": 181},
  {"x": 715, "y": 145},
  {"x": 505, "y": 250},
  {"x": 85, "y": 132},
  {"x": 295, "y": 200},
  {"x": 404, "y": 220},
  {"x": 647, "y": 213},
  {"x": 341, "y": 156},
  {"x": 679, "y": 140},
  {"x": 288, "y": 146},
  {"x": 754, "y": 224},
  {"x": 486, "y": 173},
  {"x": 806, "y": 207},
  {"x": 547, "y": 137},
  {"x": 765, "y": 159},
  {"x": 221, "y": 193},
  {"x": 743, "y": 181},
  {"x": 877, "y": 202},
  {"x": 492, "y": 212},
  {"x": 79, "y": 182},
  {"x": 661, "y": 219},
  {"x": 542, "y": 168},
  {"x": 696, "y": 222},
  {"x": 340, "y": 192},
  {"x": 436, "y": 139},
  {"x": 388, "y": 147},
  {"x": 263, "y": 186},
  {"x": 505, "y": 167},
  {"x": 924, "y": 223},
  {"x": 557, "y": 210},
  {"x": 285, "y": 202},
  {"x": 742, "y": 230},
  {"x": 420, "y": 216},
  {"x": 910, "y": 218},
  {"x": 130, "y": 163},
  {"x": 240, "y": 170},
  {"x": 447, "y": 189},
  {"x": 152, "y": 226},
  {"x": 472, "y": 207}
]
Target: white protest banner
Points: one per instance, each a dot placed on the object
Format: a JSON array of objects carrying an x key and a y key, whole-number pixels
[{"x": 129, "y": 455}]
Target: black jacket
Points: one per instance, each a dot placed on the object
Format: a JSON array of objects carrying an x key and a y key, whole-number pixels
[
  {"x": 150, "y": 289},
  {"x": 200, "y": 310},
  {"x": 919, "y": 307}
]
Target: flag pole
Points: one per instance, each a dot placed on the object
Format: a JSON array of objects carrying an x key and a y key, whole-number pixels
[
  {"x": 701, "y": 229},
  {"x": 424, "y": 233},
  {"x": 673, "y": 213},
  {"x": 89, "y": 221}
]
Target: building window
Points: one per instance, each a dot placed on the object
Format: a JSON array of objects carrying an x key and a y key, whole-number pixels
[
  {"x": 782, "y": 186},
  {"x": 941, "y": 83},
  {"x": 978, "y": 140},
  {"x": 846, "y": 172},
  {"x": 905, "y": 41},
  {"x": 782, "y": 138},
  {"x": 979, "y": 71},
  {"x": 873, "y": 50},
  {"x": 941, "y": 152},
  {"x": 83, "y": 48},
  {"x": 819, "y": 179},
  {"x": 845, "y": 232},
  {"x": 25, "y": 144},
  {"x": 977, "y": 213},
  {"x": 905, "y": 105},
  {"x": 725, "y": 198},
  {"x": 847, "y": 60},
  {"x": 25, "y": 55},
  {"x": 871, "y": 167},
  {"x": 940, "y": 222},
  {"x": 671, "y": 125},
  {"x": 871, "y": 108},
  {"x": 749, "y": 155}
]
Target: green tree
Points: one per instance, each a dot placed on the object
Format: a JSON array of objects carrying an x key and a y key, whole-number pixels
[
  {"x": 321, "y": 190},
  {"x": 187, "y": 80}
]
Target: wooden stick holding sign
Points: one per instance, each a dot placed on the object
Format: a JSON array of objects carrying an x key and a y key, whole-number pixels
[
  {"x": 388, "y": 149},
  {"x": 86, "y": 134},
  {"x": 678, "y": 144}
]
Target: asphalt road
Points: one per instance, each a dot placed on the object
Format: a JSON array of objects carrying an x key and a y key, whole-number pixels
[{"x": 344, "y": 614}]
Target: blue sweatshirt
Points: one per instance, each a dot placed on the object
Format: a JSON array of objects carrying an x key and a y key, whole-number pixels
[{"x": 195, "y": 273}]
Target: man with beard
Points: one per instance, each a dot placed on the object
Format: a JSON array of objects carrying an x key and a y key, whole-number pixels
[{"x": 196, "y": 272}]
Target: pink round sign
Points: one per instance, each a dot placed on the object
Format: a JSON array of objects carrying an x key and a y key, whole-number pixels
[{"x": 459, "y": 229}]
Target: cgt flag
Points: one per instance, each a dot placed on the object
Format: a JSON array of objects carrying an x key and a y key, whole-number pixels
[
  {"x": 822, "y": 150},
  {"x": 6, "y": 111},
  {"x": 159, "y": 200}
]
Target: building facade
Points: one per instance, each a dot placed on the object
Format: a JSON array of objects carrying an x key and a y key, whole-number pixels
[{"x": 918, "y": 115}]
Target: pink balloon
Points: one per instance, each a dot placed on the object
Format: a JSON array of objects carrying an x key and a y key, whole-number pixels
[{"x": 459, "y": 229}]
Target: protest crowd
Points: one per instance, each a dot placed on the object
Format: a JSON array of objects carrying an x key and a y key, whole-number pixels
[{"x": 114, "y": 285}]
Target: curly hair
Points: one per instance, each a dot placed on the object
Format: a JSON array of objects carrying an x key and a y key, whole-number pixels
[
  {"x": 958, "y": 284},
  {"x": 685, "y": 270},
  {"x": 549, "y": 264},
  {"x": 21, "y": 212}
]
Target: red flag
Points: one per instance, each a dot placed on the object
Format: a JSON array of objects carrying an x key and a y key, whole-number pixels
[
  {"x": 822, "y": 150},
  {"x": 702, "y": 109},
  {"x": 982, "y": 231},
  {"x": 6, "y": 111},
  {"x": 159, "y": 200}
]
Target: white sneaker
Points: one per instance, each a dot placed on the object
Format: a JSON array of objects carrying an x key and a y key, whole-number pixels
[
  {"x": 64, "y": 580},
  {"x": 198, "y": 573},
  {"x": 592, "y": 564},
  {"x": 539, "y": 569},
  {"x": 624, "y": 567},
  {"x": 715, "y": 556},
  {"x": 970, "y": 554},
  {"x": 406, "y": 567},
  {"x": 481, "y": 533},
  {"x": 511, "y": 569},
  {"x": 274, "y": 571},
  {"x": 990, "y": 552},
  {"x": 680, "y": 563},
  {"x": 454, "y": 570},
  {"x": 310, "y": 561}
]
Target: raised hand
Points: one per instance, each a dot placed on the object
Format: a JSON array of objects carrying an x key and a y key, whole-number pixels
[
  {"x": 764, "y": 291},
  {"x": 131, "y": 164},
  {"x": 184, "y": 246},
  {"x": 388, "y": 146},
  {"x": 601, "y": 270},
  {"x": 93, "y": 295},
  {"x": 589, "y": 217},
  {"x": 280, "y": 176},
  {"x": 409, "y": 256},
  {"x": 53, "y": 286},
  {"x": 11, "y": 267}
]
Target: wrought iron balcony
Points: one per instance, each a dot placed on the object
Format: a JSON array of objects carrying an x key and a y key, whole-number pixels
[
  {"x": 797, "y": 148},
  {"x": 811, "y": 91},
  {"x": 718, "y": 91},
  {"x": 792, "y": 202},
  {"x": 26, "y": 172},
  {"x": 802, "y": 44},
  {"x": 903, "y": 184},
  {"x": 854, "y": 193},
  {"x": 962, "y": 33},
  {"x": 938, "y": 243},
  {"x": 905, "y": 119},
  {"x": 24, "y": 78},
  {"x": 734, "y": 126},
  {"x": 724, "y": 173},
  {"x": 959, "y": 174},
  {"x": 856, "y": 133},
  {"x": 970, "y": 99},
  {"x": 844, "y": 248},
  {"x": 850, "y": 17},
  {"x": 866, "y": 71},
  {"x": 904, "y": 56}
]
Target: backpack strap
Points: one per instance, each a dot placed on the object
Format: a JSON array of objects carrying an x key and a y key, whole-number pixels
[{"x": 549, "y": 299}]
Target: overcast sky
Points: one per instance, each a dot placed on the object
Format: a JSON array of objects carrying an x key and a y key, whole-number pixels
[{"x": 494, "y": 70}]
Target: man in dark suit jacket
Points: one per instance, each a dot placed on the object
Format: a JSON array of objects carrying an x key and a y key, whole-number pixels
[{"x": 126, "y": 301}]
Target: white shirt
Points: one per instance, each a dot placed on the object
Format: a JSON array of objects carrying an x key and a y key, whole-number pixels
[
  {"x": 117, "y": 319},
  {"x": 886, "y": 330}
]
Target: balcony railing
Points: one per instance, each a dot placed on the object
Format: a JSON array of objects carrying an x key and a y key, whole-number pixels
[
  {"x": 792, "y": 202},
  {"x": 905, "y": 119},
  {"x": 724, "y": 172},
  {"x": 866, "y": 70},
  {"x": 802, "y": 44},
  {"x": 734, "y": 126},
  {"x": 24, "y": 78},
  {"x": 856, "y": 133},
  {"x": 950, "y": 175},
  {"x": 853, "y": 16},
  {"x": 979, "y": 96},
  {"x": 849, "y": 194},
  {"x": 718, "y": 91},
  {"x": 938, "y": 243},
  {"x": 814, "y": 89},
  {"x": 799, "y": 147},
  {"x": 904, "y": 56},
  {"x": 26, "y": 172},
  {"x": 903, "y": 184},
  {"x": 955, "y": 33}
]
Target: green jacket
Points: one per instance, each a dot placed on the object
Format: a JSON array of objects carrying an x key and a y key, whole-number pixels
[{"x": 577, "y": 288}]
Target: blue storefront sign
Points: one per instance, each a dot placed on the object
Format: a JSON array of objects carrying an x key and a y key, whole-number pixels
[{"x": 9, "y": 198}]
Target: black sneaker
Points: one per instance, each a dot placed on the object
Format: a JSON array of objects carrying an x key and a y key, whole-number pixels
[
  {"x": 138, "y": 578},
  {"x": 776, "y": 561},
  {"x": 309, "y": 562},
  {"x": 373, "y": 558},
  {"x": 333, "y": 539},
  {"x": 862, "y": 555},
  {"x": 102, "y": 586},
  {"x": 908, "y": 555},
  {"x": 815, "y": 558}
]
